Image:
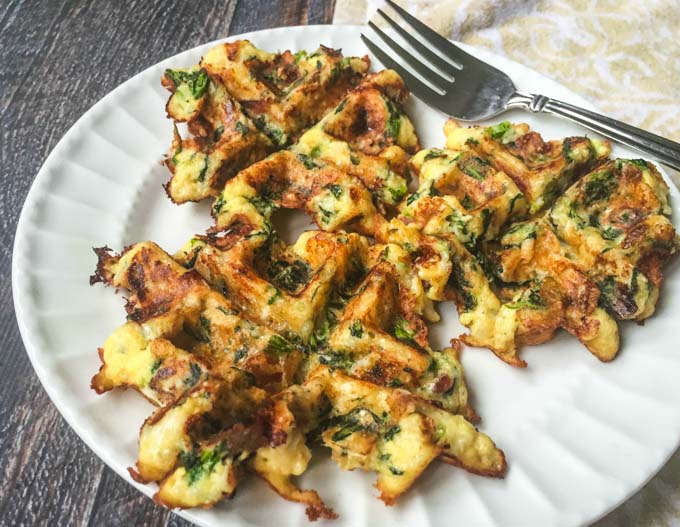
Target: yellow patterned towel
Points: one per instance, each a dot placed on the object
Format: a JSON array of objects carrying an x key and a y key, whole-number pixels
[{"x": 622, "y": 55}]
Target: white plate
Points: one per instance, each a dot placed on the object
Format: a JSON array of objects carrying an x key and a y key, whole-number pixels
[{"x": 580, "y": 436}]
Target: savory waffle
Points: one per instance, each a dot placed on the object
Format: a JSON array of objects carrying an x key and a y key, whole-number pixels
[
  {"x": 233, "y": 392},
  {"x": 252, "y": 348},
  {"x": 240, "y": 103},
  {"x": 507, "y": 227}
]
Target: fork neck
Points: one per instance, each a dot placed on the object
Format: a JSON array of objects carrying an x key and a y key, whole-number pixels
[{"x": 527, "y": 101}]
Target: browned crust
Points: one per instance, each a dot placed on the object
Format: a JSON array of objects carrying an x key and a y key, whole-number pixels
[{"x": 315, "y": 506}]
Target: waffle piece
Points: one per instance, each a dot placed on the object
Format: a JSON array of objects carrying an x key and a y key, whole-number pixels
[
  {"x": 172, "y": 308},
  {"x": 284, "y": 288},
  {"x": 541, "y": 169},
  {"x": 241, "y": 103},
  {"x": 344, "y": 172},
  {"x": 245, "y": 408},
  {"x": 604, "y": 242},
  {"x": 458, "y": 228}
]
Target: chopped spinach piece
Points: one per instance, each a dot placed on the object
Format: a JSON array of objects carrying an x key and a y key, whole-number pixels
[
  {"x": 218, "y": 133},
  {"x": 219, "y": 203},
  {"x": 393, "y": 121},
  {"x": 290, "y": 275},
  {"x": 396, "y": 471},
  {"x": 468, "y": 204},
  {"x": 195, "y": 372},
  {"x": 610, "y": 233},
  {"x": 356, "y": 329},
  {"x": 262, "y": 204},
  {"x": 204, "y": 326},
  {"x": 402, "y": 330},
  {"x": 196, "y": 80},
  {"x": 334, "y": 189},
  {"x": 340, "y": 106},
  {"x": 413, "y": 197},
  {"x": 336, "y": 359},
  {"x": 512, "y": 202},
  {"x": 242, "y": 128},
  {"x": 204, "y": 169},
  {"x": 354, "y": 421},
  {"x": 460, "y": 283},
  {"x": 274, "y": 297},
  {"x": 599, "y": 186},
  {"x": 474, "y": 166},
  {"x": 279, "y": 345},
  {"x": 156, "y": 364},
  {"x": 326, "y": 215},
  {"x": 391, "y": 432},
  {"x": 529, "y": 300},
  {"x": 307, "y": 161},
  {"x": 434, "y": 153},
  {"x": 198, "y": 466}
]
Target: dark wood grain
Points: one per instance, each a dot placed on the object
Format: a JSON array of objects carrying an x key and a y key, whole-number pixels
[{"x": 57, "y": 59}]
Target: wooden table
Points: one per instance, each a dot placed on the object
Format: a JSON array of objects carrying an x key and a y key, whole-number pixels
[{"x": 57, "y": 59}]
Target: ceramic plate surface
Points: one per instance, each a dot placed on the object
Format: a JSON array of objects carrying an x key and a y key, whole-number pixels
[{"x": 580, "y": 436}]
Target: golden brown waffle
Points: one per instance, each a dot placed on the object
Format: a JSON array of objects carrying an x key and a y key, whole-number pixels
[
  {"x": 252, "y": 348},
  {"x": 234, "y": 393},
  {"x": 492, "y": 227},
  {"x": 240, "y": 103}
]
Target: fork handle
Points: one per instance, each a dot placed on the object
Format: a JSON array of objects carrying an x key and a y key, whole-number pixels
[{"x": 665, "y": 150}]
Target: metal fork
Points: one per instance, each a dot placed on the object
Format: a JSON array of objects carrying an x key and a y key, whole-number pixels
[{"x": 472, "y": 90}]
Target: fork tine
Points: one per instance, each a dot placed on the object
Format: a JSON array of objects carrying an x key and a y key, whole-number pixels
[
  {"x": 442, "y": 44},
  {"x": 424, "y": 92},
  {"x": 426, "y": 52},
  {"x": 423, "y": 70}
]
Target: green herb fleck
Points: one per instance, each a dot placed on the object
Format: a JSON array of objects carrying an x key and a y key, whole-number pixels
[
  {"x": 393, "y": 121},
  {"x": 503, "y": 132},
  {"x": 599, "y": 186},
  {"x": 204, "y": 169},
  {"x": 336, "y": 359},
  {"x": 413, "y": 197},
  {"x": 198, "y": 466},
  {"x": 468, "y": 204},
  {"x": 219, "y": 203},
  {"x": 307, "y": 161},
  {"x": 196, "y": 80},
  {"x": 391, "y": 432},
  {"x": 195, "y": 372},
  {"x": 402, "y": 330},
  {"x": 289, "y": 275},
  {"x": 274, "y": 297},
  {"x": 204, "y": 325},
  {"x": 434, "y": 153},
  {"x": 356, "y": 329},
  {"x": 156, "y": 364},
  {"x": 218, "y": 133},
  {"x": 334, "y": 189},
  {"x": 279, "y": 345},
  {"x": 242, "y": 128},
  {"x": 475, "y": 167}
]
